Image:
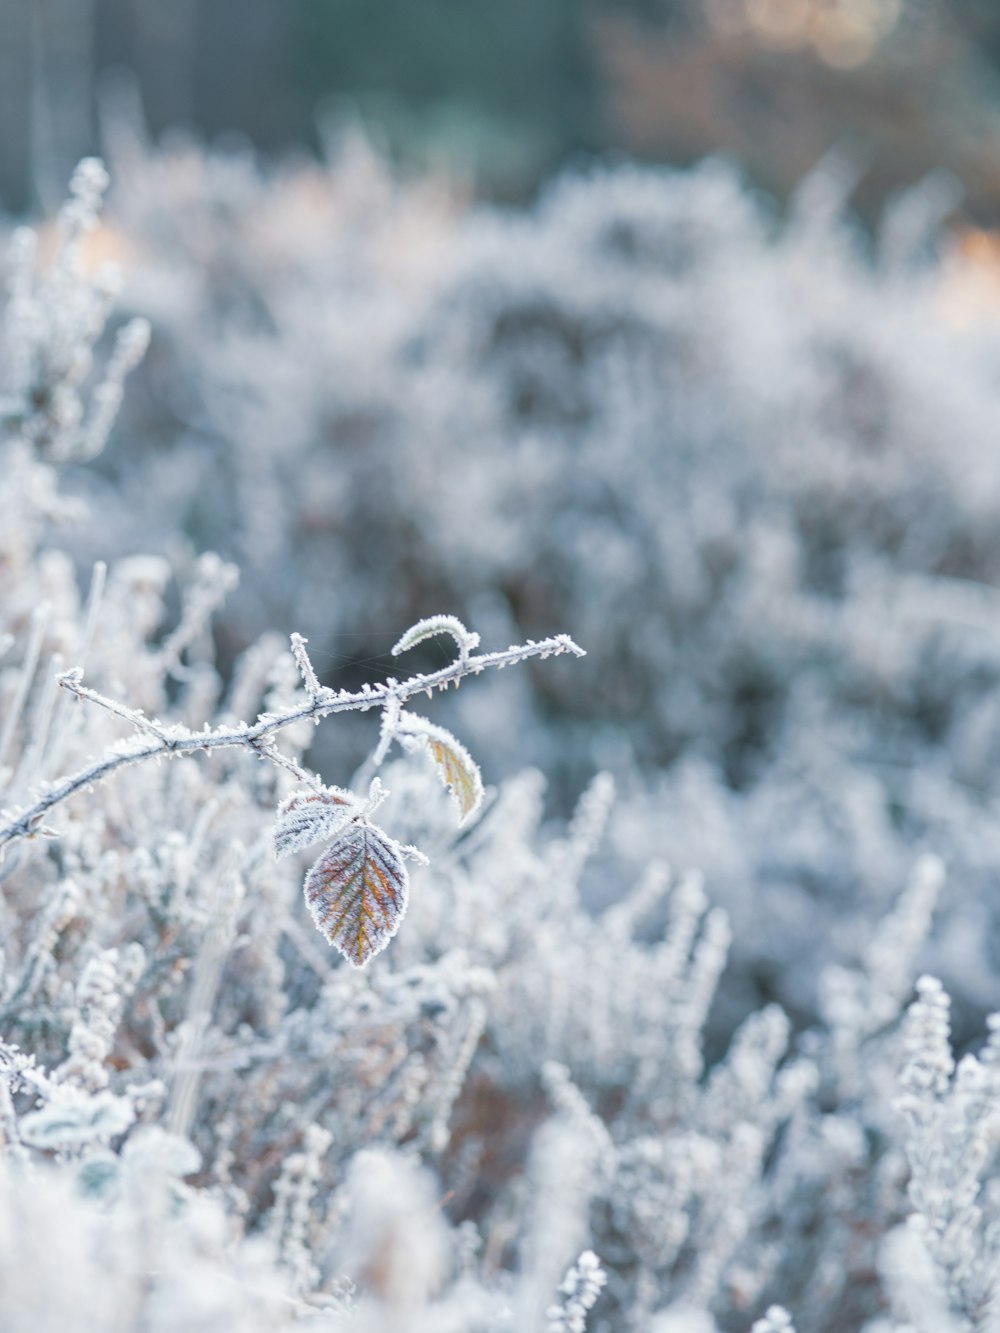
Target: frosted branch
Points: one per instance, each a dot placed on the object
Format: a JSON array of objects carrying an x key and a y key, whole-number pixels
[
  {"x": 162, "y": 740},
  {"x": 309, "y": 678}
]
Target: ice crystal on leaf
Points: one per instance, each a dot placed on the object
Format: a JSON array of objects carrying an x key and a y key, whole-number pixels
[
  {"x": 306, "y": 817},
  {"x": 357, "y": 891}
]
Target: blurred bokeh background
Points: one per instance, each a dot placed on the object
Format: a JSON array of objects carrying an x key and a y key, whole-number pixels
[
  {"x": 506, "y": 93},
  {"x": 673, "y": 326}
]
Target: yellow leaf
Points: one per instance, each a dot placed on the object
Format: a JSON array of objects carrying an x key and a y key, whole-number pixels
[{"x": 457, "y": 770}]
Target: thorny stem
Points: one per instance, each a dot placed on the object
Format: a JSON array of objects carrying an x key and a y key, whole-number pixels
[{"x": 172, "y": 740}]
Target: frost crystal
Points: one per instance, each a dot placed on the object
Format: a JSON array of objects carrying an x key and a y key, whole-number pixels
[{"x": 357, "y": 892}]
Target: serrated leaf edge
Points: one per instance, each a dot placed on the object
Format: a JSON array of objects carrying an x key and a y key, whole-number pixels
[
  {"x": 389, "y": 927},
  {"x": 332, "y": 800}
]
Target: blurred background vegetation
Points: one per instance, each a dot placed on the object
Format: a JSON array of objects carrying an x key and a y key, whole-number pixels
[{"x": 505, "y": 93}]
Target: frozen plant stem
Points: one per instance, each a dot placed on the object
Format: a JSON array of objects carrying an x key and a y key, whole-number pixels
[{"x": 158, "y": 740}]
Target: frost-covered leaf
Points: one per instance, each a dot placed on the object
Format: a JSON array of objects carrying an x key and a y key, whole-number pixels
[
  {"x": 456, "y": 767},
  {"x": 307, "y": 816},
  {"x": 73, "y": 1120},
  {"x": 434, "y": 625},
  {"x": 357, "y": 891}
]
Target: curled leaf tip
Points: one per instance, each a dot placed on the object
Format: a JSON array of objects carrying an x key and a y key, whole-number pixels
[{"x": 434, "y": 625}]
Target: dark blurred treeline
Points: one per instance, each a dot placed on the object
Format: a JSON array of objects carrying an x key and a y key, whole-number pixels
[{"x": 506, "y": 92}]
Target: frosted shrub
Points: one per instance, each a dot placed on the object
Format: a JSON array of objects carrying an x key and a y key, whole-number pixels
[
  {"x": 52, "y": 326},
  {"x": 747, "y": 460},
  {"x": 543, "y": 1099}
]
